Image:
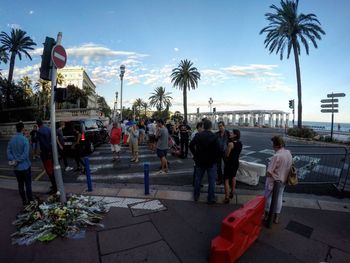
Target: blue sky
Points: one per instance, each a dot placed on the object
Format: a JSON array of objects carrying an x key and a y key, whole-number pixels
[{"x": 220, "y": 37}]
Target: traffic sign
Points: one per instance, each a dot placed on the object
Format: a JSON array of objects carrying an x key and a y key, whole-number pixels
[
  {"x": 329, "y": 105},
  {"x": 334, "y": 95},
  {"x": 59, "y": 56},
  {"x": 329, "y": 111},
  {"x": 329, "y": 100}
]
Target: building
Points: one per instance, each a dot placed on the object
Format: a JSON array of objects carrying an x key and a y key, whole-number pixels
[{"x": 78, "y": 77}]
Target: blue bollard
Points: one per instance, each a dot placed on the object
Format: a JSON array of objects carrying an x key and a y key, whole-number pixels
[
  {"x": 146, "y": 177},
  {"x": 88, "y": 174}
]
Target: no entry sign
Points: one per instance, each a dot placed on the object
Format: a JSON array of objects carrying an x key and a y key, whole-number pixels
[{"x": 59, "y": 56}]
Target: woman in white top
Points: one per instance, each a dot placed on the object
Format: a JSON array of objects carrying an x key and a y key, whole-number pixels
[{"x": 278, "y": 170}]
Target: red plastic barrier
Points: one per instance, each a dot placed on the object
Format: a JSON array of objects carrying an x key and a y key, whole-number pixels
[
  {"x": 238, "y": 232},
  {"x": 125, "y": 139}
]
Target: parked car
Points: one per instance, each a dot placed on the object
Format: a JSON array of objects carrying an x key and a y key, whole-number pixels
[{"x": 93, "y": 133}]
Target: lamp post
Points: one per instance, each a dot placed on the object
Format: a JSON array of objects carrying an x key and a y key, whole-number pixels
[
  {"x": 121, "y": 75},
  {"x": 210, "y": 103}
]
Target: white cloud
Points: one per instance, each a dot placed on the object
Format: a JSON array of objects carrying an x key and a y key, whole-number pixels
[
  {"x": 14, "y": 26},
  {"x": 31, "y": 12},
  {"x": 176, "y": 49}
]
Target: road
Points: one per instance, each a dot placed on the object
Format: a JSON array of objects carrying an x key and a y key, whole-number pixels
[{"x": 317, "y": 164}]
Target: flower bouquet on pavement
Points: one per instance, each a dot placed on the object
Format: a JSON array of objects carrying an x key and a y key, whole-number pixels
[{"x": 44, "y": 221}]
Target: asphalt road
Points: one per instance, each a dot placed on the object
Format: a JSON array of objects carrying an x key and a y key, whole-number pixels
[{"x": 317, "y": 163}]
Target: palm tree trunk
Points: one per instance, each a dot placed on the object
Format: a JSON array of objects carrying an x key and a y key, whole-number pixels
[
  {"x": 297, "y": 69},
  {"x": 9, "y": 78},
  {"x": 185, "y": 103}
]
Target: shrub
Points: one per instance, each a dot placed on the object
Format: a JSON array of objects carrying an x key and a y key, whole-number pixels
[{"x": 302, "y": 132}]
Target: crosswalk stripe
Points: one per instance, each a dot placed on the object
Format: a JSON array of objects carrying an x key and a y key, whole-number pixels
[
  {"x": 111, "y": 165},
  {"x": 135, "y": 175},
  {"x": 101, "y": 158}
]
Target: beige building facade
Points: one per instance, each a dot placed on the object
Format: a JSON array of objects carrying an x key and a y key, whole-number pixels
[{"x": 78, "y": 77}]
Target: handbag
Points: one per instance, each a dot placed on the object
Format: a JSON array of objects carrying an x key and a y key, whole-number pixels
[{"x": 292, "y": 178}]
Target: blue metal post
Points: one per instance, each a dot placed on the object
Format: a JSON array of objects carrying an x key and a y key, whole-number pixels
[
  {"x": 146, "y": 177},
  {"x": 88, "y": 174}
]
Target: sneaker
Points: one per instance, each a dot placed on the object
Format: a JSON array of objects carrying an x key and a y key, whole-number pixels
[
  {"x": 136, "y": 161},
  {"x": 132, "y": 160},
  {"x": 68, "y": 168},
  {"x": 160, "y": 172}
]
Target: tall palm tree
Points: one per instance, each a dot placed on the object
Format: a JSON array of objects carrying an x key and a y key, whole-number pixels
[
  {"x": 145, "y": 107},
  {"x": 16, "y": 44},
  {"x": 160, "y": 99},
  {"x": 286, "y": 29},
  {"x": 3, "y": 56},
  {"x": 184, "y": 77},
  {"x": 44, "y": 93}
]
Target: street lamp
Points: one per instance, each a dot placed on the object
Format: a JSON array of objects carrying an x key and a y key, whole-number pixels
[
  {"x": 210, "y": 103},
  {"x": 121, "y": 75}
]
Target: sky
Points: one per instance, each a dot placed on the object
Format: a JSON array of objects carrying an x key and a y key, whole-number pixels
[{"x": 220, "y": 37}]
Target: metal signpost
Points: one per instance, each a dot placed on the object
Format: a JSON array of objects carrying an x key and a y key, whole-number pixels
[
  {"x": 59, "y": 59},
  {"x": 332, "y": 107}
]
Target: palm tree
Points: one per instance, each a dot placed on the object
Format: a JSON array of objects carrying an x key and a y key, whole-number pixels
[
  {"x": 3, "y": 56},
  {"x": 160, "y": 99},
  {"x": 185, "y": 76},
  {"x": 44, "y": 93},
  {"x": 145, "y": 107},
  {"x": 286, "y": 30},
  {"x": 138, "y": 105},
  {"x": 15, "y": 44},
  {"x": 26, "y": 84},
  {"x": 60, "y": 78}
]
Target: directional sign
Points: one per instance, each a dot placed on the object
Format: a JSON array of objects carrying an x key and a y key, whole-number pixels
[
  {"x": 329, "y": 110},
  {"x": 329, "y": 105},
  {"x": 335, "y": 95},
  {"x": 59, "y": 56},
  {"x": 329, "y": 100}
]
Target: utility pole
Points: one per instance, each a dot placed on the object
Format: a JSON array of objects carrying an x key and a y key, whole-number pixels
[{"x": 59, "y": 57}]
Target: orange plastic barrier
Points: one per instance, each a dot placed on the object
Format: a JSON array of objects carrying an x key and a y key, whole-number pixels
[{"x": 238, "y": 232}]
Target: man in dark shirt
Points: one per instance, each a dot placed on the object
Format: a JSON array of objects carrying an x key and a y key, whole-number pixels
[
  {"x": 44, "y": 139},
  {"x": 223, "y": 136},
  {"x": 205, "y": 149},
  {"x": 60, "y": 146},
  {"x": 185, "y": 131}
]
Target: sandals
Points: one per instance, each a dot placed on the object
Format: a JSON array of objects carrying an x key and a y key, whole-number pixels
[{"x": 226, "y": 200}]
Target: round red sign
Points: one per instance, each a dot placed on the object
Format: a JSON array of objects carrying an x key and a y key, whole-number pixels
[{"x": 59, "y": 56}]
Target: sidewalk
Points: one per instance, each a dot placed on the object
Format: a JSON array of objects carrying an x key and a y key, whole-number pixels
[{"x": 172, "y": 228}]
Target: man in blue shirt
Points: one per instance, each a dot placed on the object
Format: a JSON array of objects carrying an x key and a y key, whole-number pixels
[{"x": 18, "y": 157}]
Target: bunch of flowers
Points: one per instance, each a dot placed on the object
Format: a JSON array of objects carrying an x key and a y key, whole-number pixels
[{"x": 44, "y": 221}]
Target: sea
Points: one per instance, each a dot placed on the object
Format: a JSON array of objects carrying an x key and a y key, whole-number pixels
[{"x": 326, "y": 126}]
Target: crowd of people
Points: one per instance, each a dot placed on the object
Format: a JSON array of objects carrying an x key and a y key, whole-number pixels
[{"x": 216, "y": 154}]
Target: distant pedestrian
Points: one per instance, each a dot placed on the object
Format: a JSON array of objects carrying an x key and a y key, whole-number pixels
[
  {"x": 205, "y": 149},
  {"x": 223, "y": 136},
  {"x": 233, "y": 151},
  {"x": 60, "y": 146},
  {"x": 339, "y": 127},
  {"x": 134, "y": 142},
  {"x": 277, "y": 173},
  {"x": 44, "y": 139},
  {"x": 142, "y": 131},
  {"x": 151, "y": 127},
  {"x": 34, "y": 142},
  {"x": 18, "y": 157},
  {"x": 77, "y": 149},
  {"x": 115, "y": 138},
  {"x": 185, "y": 132},
  {"x": 162, "y": 137}
]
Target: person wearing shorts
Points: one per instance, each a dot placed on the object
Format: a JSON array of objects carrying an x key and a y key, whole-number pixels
[
  {"x": 134, "y": 142},
  {"x": 162, "y": 137},
  {"x": 115, "y": 137}
]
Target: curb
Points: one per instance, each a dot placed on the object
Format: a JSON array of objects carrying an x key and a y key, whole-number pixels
[{"x": 173, "y": 193}]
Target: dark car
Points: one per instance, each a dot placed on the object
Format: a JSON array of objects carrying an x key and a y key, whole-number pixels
[{"x": 93, "y": 133}]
